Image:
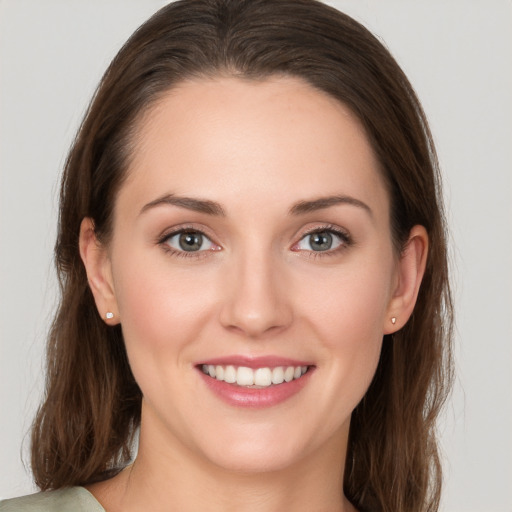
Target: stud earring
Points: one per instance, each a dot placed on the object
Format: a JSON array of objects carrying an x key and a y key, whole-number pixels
[
  {"x": 393, "y": 320},
  {"x": 109, "y": 315}
]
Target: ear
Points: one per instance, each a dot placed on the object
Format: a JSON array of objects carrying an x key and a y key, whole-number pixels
[
  {"x": 99, "y": 272},
  {"x": 410, "y": 271}
]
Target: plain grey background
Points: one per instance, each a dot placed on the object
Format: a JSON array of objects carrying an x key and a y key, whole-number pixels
[{"x": 457, "y": 54}]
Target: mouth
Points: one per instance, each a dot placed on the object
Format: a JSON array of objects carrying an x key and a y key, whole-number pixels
[
  {"x": 255, "y": 382},
  {"x": 254, "y": 378}
]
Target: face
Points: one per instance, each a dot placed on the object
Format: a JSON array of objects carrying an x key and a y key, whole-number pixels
[{"x": 251, "y": 236}]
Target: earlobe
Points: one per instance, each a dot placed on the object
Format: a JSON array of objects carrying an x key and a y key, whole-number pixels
[
  {"x": 99, "y": 272},
  {"x": 411, "y": 268}
]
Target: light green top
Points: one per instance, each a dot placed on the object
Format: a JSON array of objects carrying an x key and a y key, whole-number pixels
[{"x": 71, "y": 499}]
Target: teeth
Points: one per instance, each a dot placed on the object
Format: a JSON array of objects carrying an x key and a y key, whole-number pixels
[
  {"x": 244, "y": 376},
  {"x": 278, "y": 375},
  {"x": 289, "y": 373},
  {"x": 261, "y": 377},
  {"x": 230, "y": 374}
]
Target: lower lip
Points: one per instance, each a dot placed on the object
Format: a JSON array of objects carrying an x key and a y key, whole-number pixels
[{"x": 240, "y": 396}]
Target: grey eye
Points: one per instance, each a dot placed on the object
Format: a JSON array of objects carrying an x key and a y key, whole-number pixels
[
  {"x": 190, "y": 241},
  {"x": 320, "y": 241}
]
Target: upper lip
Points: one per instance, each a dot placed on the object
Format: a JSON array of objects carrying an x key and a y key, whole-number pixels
[{"x": 270, "y": 361}]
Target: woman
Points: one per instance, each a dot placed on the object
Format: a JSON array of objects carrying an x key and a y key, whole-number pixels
[{"x": 253, "y": 264}]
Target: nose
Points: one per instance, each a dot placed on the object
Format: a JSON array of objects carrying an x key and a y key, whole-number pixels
[{"x": 256, "y": 298}]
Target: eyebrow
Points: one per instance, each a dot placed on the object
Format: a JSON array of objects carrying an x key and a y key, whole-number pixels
[
  {"x": 321, "y": 203},
  {"x": 190, "y": 203},
  {"x": 213, "y": 208}
]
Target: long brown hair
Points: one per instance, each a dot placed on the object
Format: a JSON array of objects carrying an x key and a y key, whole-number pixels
[{"x": 84, "y": 429}]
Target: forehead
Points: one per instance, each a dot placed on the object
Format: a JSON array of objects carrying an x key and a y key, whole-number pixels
[{"x": 228, "y": 138}]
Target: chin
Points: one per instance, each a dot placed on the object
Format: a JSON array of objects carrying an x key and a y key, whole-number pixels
[
  {"x": 254, "y": 461},
  {"x": 255, "y": 452}
]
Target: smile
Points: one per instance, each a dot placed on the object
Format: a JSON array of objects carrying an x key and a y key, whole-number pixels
[
  {"x": 255, "y": 382},
  {"x": 254, "y": 377}
]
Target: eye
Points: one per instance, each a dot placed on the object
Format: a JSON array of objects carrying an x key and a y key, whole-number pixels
[
  {"x": 321, "y": 241},
  {"x": 190, "y": 241}
]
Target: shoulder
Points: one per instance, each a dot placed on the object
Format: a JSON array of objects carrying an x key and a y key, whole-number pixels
[{"x": 72, "y": 499}]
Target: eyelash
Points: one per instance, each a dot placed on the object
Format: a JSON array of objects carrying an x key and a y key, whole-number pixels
[
  {"x": 163, "y": 242},
  {"x": 344, "y": 237}
]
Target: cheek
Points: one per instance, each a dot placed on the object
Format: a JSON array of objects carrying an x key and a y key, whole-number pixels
[
  {"x": 349, "y": 305},
  {"x": 347, "y": 314},
  {"x": 161, "y": 309},
  {"x": 352, "y": 338},
  {"x": 162, "y": 315}
]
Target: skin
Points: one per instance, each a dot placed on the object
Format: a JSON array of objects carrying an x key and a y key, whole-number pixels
[{"x": 257, "y": 149}]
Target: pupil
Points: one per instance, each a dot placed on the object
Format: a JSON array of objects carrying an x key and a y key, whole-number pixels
[
  {"x": 321, "y": 241},
  {"x": 191, "y": 241}
]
